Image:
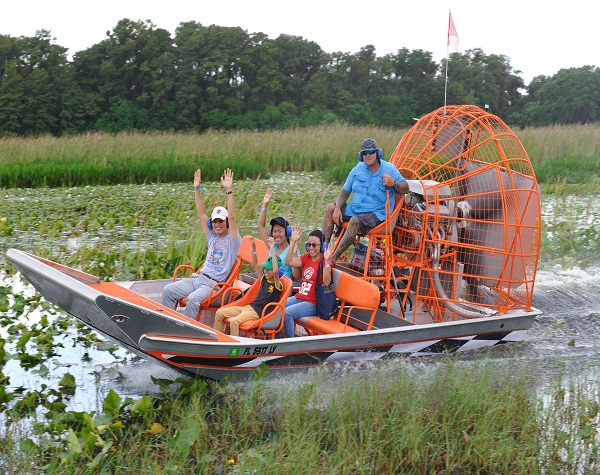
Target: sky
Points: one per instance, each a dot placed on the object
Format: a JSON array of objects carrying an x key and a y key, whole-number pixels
[{"x": 538, "y": 39}]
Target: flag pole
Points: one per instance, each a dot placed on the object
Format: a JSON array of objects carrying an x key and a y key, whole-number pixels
[
  {"x": 446, "y": 81},
  {"x": 452, "y": 41}
]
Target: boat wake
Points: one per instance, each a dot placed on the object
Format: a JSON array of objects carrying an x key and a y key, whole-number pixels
[{"x": 563, "y": 291}]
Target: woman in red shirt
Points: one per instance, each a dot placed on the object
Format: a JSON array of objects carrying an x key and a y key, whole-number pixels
[{"x": 303, "y": 303}]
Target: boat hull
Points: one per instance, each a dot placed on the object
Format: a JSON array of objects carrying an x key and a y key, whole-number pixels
[
  {"x": 139, "y": 323},
  {"x": 217, "y": 361}
]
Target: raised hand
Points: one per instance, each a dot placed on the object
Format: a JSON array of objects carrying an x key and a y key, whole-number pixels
[
  {"x": 197, "y": 178},
  {"x": 227, "y": 179},
  {"x": 268, "y": 196},
  {"x": 271, "y": 243},
  {"x": 296, "y": 232}
]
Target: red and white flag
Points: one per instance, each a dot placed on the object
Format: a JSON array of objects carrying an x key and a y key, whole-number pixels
[{"x": 452, "y": 35}]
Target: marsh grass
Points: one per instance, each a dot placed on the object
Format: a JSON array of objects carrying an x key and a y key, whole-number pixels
[
  {"x": 448, "y": 417},
  {"x": 127, "y": 232},
  {"x": 579, "y": 170},
  {"x": 101, "y": 159},
  {"x": 566, "y": 153},
  {"x": 544, "y": 144},
  {"x": 569, "y": 421},
  {"x": 571, "y": 224},
  {"x": 146, "y": 231}
]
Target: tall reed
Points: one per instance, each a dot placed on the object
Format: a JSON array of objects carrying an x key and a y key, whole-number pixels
[
  {"x": 561, "y": 141},
  {"x": 160, "y": 157},
  {"x": 569, "y": 153},
  {"x": 447, "y": 417}
]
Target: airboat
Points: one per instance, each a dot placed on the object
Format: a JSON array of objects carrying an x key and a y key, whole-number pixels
[{"x": 452, "y": 268}]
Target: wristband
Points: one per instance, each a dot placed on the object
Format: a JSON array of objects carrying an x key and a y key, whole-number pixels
[
  {"x": 197, "y": 189},
  {"x": 253, "y": 253},
  {"x": 327, "y": 265},
  {"x": 229, "y": 192},
  {"x": 262, "y": 208}
]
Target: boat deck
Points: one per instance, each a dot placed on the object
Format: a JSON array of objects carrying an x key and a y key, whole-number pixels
[{"x": 153, "y": 289}]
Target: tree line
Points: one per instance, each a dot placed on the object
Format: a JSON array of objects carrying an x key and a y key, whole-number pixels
[{"x": 212, "y": 77}]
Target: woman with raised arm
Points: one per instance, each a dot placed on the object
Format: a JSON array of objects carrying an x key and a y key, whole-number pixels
[
  {"x": 280, "y": 231},
  {"x": 304, "y": 303}
]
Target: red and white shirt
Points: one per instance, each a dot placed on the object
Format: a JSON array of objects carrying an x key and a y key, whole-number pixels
[{"x": 307, "y": 290}]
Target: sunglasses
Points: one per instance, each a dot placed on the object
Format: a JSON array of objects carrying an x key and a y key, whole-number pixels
[
  {"x": 218, "y": 221},
  {"x": 312, "y": 244},
  {"x": 367, "y": 152}
]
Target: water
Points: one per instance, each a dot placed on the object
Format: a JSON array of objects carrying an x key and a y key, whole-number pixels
[
  {"x": 563, "y": 338},
  {"x": 97, "y": 365}
]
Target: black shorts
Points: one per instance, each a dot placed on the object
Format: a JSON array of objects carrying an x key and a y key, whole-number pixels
[{"x": 367, "y": 220}]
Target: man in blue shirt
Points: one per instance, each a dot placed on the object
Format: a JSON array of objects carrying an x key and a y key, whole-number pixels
[{"x": 369, "y": 182}]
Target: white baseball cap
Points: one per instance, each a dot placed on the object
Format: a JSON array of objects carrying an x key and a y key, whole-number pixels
[{"x": 219, "y": 213}]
